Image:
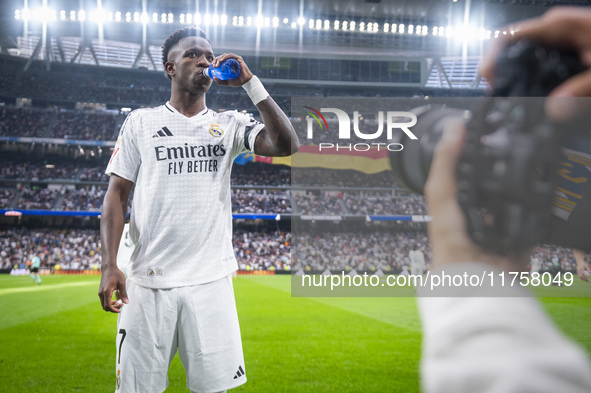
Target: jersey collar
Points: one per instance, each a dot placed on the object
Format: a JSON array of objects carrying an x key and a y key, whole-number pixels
[{"x": 173, "y": 110}]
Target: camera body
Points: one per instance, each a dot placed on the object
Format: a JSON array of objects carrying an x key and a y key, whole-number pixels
[{"x": 510, "y": 173}]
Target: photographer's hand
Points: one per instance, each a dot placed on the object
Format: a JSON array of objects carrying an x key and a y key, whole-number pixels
[
  {"x": 447, "y": 232},
  {"x": 560, "y": 27}
]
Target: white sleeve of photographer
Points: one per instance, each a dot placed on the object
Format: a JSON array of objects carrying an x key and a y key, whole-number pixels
[{"x": 497, "y": 345}]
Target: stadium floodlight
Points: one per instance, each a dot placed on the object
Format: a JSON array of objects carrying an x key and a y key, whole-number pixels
[
  {"x": 163, "y": 18},
  {"x": 62, "y": 15},
  {"x": 394, "y": 28},
  {"x": 182, "y": 19},
  {"x": 411, "y": 29},
  {"x": 224, "y": 19},
  {"x": 81, "y": 15},
  {"x": 267, "y": 22},
  {"x": 144, "y": 18},
  {"x": 240, "y": 21},
  {"x": 44, "y": 14},
  {"x": 401, "y": 28},
  {"x": 136, "y": 17},
  {"x": 386, "y": 27},
  {"x": 235, "y": 21},
  {"x": 206, "y": 19},
  {"x": 275, "y": 21},
  {"x": 337, "y": 24},
  {"x": 26, "y": 14},
  {"x": 345, "y": 25},
  {"x": 128, "y": 16},
  {"x": 301, "y": 21},
  {"x": 259, "y": 21},
  {"x": 189, "y": 18},
  {"x": 318, "y": 24},
  {"x": 285, "y": 21},
  {"x": 170, "y": 17},
  {"x": 294, "y": 25},
  {"x": 197, "y": 18},
  {"x": 117, "y": 16},
  {"x": 99, "y": 16},
  {"x": 352, "y": 25},
  {"x": 311, "y": 24},
  {"x": 110, "y": 16},
  {"x": 326, "y": 24},
  {"x": 362, "y": 26},
  {"x": 17, "y": 14},
  {"x": 155, "y": 17},
  {"x": 248, "y": 21},
  {"x": 215, "y": 19}
]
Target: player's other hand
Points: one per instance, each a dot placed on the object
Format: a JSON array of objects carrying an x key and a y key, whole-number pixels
[
  {"x": 245, "y": 73},
  {"x": 113, "y": 281},
  {"x": 448, "y": 232}
]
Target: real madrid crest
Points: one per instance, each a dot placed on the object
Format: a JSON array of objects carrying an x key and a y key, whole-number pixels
[
  {"x": 118, "y": 379},
  {"x": 216, "y": 130}
]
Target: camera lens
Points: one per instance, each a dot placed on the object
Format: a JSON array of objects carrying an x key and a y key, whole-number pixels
[{"x": 411, "y": 165}]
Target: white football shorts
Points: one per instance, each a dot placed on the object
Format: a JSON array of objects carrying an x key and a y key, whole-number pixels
[{"x": 200, "y": 321}]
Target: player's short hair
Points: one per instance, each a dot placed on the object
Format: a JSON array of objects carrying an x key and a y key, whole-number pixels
[{"x": 178, "y": 35}]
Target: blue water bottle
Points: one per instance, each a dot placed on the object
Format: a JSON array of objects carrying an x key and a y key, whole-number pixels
[{"x": 228, "y": 69}]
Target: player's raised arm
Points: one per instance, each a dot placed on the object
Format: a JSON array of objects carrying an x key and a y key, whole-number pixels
[
  {"x": 113, "y": 215},
  {"x": 278, "y": 138}
]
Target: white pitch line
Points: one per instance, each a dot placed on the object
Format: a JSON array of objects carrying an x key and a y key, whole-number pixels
[{"x": 45, "y": 287}]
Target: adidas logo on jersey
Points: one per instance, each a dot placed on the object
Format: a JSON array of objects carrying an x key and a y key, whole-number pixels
[
  {"x": 154, "y": 272},
  {"x": 162, "y": 133},
  {"x": 239, "y": 373}
]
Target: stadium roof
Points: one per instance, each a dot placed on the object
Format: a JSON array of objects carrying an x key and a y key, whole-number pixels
[{"x": 132, "y": 32}]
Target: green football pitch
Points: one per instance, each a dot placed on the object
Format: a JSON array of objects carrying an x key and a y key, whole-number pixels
[{"x": 56, "y": 338}]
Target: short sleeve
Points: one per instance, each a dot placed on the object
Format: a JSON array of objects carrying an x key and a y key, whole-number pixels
[
  {"x": 247, "y": 130},
  {"x": 125, "y": 160}
]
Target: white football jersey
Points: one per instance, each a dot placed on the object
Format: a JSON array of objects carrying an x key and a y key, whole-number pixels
[{"x": 181, "y": 219}]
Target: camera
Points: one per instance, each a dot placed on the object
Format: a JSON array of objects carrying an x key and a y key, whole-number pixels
[{"x": 523, "y": 179}]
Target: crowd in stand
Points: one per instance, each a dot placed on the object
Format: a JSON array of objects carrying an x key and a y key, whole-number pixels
[
  {"x": 358, "y": 203},
  {"x": 24, "y": 122},
  {"x": 262, "y": 250},
  {"x": 85, "y": 125},
  {"x": 6, "y": 197},
  {"x": 55, "y": 123},
  {"x": 361, "y": 251},
  {"x": 261, "y": 174},
  {"x": 553, "y": 258},
  {"x": 376, "y": 203},
  {"x": 90, "y": 198},
  {"x": 272, "y": 250},
  {"x": 314, "y": 204},
  {"x": 93, "y": 175},
  {"x": 260, "y": 201},
  {"x": 341, "y": 178},
  {"x": 44, "y": 198},
  {"x": 76, "y": 249},
  {"x": 70, "y": 249},
  {"x": 32, "y": 171}
]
